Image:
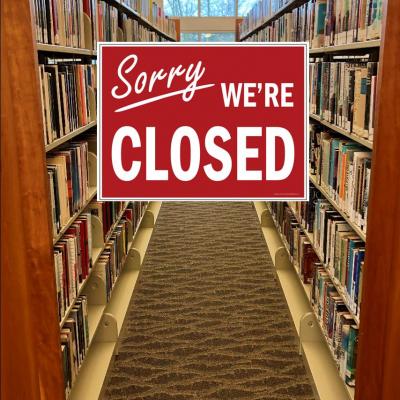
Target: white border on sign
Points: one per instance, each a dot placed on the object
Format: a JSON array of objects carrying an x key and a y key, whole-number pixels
[{"x": 306, "y": 185}]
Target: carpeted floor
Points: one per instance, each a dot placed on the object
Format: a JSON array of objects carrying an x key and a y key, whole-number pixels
[{"x": 207, "y": 319}]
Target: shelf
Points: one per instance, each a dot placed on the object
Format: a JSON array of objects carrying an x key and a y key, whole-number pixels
[
  {"x": 135, "y": 15},
  {"x": 341, "y": 131},
  {"x": 92, "y": 193},
  {"x": 336, "y": 283},
  {"x": 69, "y": 136},
  {"x": 287, "y": 7},
  {"x": 369, "y": 44},
  {"x": 355, "y": 227},
  {"x": 315, "y": 348},
  {"x": 54, "y": 48}
]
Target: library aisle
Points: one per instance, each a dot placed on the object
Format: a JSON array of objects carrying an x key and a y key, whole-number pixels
[
  {"x": 207, "y": 318},
  {"x": 139, "y": 299}
]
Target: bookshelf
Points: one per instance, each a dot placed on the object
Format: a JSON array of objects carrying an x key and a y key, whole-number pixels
[
  {"x": 106, "y": 306},
  {"x": 379, "y": 347},
  {"x": 31, "y": 287},
  {"x": 312, "y": 343},
  {"x": 317, "y": 352},
  {"x": 106, "y": 318}
]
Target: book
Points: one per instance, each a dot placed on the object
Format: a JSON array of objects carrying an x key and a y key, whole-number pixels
[
  {"x": 82, "y": 23},
  {"x": 73, "y": 261},
  {"x": 68, "y": 181},
  {"x": 65, "y": 90},
  {"x": 343, "y": 94},
  {"x": 74, "y": 341},
  {"x": 342, "y": 168},
  {"x": 338, "y": 325},
  {"x": 107, "y": 212}
]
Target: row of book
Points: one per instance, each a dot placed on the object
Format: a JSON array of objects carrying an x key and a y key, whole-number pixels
[
  {"x": 135, "y": 213},
  {"x": 298, "y": 246},
  {"x": 108, "y": 266},
  {"x": 113, "y": 26},
  {"x": 107, "y": 212},
  {"x": 322, "y": 23},
  {"x": 81, "y": 23},
  {"x": 65, "y": 97},
  {"x": 259, "y": 13},
  {"x": 341, "y": 250},
  {"x": 74, "y": 341},
  {"x": 342, "y": 168},
  {"x": 153, "y": 11},
  {"x": 110, "y": 262},
  {"x": 61, "y": 22},
  {"x": 331, "y": 310},
  {"x": 339, "y": 327},
  {"x": 68, "y": 181},
  {"x": 72, "y": 261},
  {"x": 73, "y": 251},
  {"x": 343, "y": 93},
  {"x": 338, "y": 247}
]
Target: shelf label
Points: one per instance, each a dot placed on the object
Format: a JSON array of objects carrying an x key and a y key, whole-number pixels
[{"x": 205, "y": 121}]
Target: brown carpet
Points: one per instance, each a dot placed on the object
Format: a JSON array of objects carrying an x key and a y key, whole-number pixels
[{"x": 207, "y": 319}]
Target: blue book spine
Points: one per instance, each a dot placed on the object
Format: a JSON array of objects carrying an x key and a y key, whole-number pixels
[{"x": 360, "y": 259}]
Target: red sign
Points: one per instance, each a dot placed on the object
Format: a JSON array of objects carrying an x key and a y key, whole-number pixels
[{"x": 213, "y": 121}]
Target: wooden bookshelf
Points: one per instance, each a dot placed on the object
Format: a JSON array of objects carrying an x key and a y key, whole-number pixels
[
  {"x": 381, "y": 252},
  {"x": 378, "y": 362},
  {"x": 356, "y": 138},
  {"x": 30, "y": 336},
  {"x": 28, "y": 287},
  {"x": 102, "y": 315}
]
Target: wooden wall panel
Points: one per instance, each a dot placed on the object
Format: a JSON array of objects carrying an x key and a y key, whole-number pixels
[
  {"x": 237, "y": 28},
  {"x": 30, "y": 356},
  {"x": 177, "y": 22},
  {"x": 378, "y": 368}
]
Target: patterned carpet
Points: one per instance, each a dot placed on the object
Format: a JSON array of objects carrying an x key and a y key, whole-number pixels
[{"x": 207, "y": 319}]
